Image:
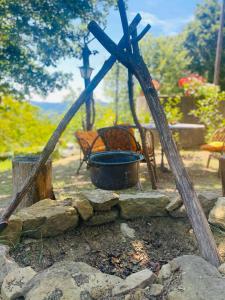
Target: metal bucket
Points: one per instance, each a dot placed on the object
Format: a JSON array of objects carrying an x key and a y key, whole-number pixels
[{"x": 114, "y": 170}]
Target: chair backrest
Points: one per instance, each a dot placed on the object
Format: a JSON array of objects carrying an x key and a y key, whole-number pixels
[
  {"x": 119, "y": 138},
  {"x": 89, "y": 141},
  {"x": 149, "y": 141},
  {"x": 219, "y": 135}
]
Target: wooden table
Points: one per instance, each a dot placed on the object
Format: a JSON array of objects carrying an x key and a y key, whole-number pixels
[{"x": 177, "y": 127}]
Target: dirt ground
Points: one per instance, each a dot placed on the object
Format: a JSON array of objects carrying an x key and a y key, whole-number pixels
[{"x": 157, "y": 239}]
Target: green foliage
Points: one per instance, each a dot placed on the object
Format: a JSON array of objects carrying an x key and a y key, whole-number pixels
[
  {"x": 23, "y": 129},
  {"x": 172, "y": 108},
  {"x": 35, "y": 35},
  {"x": 201, "y": 40},
  {"x": 5, "y": 165},
  {"x": 209, "y": 100},
  {"x": 166, "y": 59},
  {"x": 110, "y": 92}
]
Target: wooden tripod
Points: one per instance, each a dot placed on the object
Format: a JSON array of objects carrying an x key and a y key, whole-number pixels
[
  {"x": 127, "y": 52},
  {"x": 131, "y": 58}
]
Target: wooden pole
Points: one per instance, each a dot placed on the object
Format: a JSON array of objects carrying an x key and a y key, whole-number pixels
[
  {"x": 219, "y": 48},
  {"x": 88, "y": 103},
  {"x": 184, "y": 185},
  {"x": 50, "y": 146},
  {"x": 130, "y": 83},
  {"x": 117, "y": 93}
]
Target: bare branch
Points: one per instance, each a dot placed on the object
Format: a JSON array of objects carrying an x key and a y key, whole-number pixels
[
  {"x": 107, "y": 43},
  {"x": 124, "y": 20},
  {"x": 142, "y": 34}
]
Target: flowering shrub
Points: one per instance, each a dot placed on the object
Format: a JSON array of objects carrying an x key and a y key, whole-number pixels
[
  {"x": 190, "y": 83},
  {"x": 209, "y": 100}
]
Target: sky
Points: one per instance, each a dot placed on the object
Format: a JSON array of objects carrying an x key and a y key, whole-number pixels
[{"x": 167, "y": 17}]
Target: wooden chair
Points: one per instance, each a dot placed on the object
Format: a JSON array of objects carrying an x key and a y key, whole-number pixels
[
  {"x": 89, "y": 141},
  {"x": 216, "y": 146},
  {"x": 121, "y": 137}
]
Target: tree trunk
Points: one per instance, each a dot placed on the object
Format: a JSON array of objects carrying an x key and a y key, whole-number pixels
[
  {"x": 42, "y": 186},
  {"x": 219, "y": 48}
]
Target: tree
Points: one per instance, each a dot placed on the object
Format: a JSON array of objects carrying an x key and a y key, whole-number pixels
[
  {"x": 201, "y": 40},
  {"x": 35, "y": 35},
  {"x": 121, "y": 92},
  {"x": 23, "y": 128},
  {"x": 167, "y": 59}
]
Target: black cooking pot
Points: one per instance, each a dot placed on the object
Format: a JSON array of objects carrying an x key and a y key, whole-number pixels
[{"x": 114, "y": 170}]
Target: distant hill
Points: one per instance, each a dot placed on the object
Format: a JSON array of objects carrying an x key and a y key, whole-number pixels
[
  {"x": 58, "y": 108},
  {"x": 52, "y": 108}
]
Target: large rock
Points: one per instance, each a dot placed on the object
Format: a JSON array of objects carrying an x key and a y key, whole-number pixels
[
  {"x": 15, "y": 281},
  {"x": 198, "y": 280},
  {"x": 103, "y": 217},
  {"x": 11, "y": 234},
  {"x": 151, "y": 204},
  {"x": 137, "y": 280},
  {"x": 83, "y": 207},
  {"x": 207, "y": 200},
  {"x": 47, "y": 218},
  {"x": 101, "y": 200},
  {"x": 70, "y": 280},
  {"x": 217, "y": 214},
  {"x": 179, "y": 213},
  {"x": 6, "y": 263}
]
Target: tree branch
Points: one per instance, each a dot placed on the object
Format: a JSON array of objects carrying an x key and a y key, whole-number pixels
[
  {"x": 107, "y": 43},
  {"x": 124, "y": 20},
  {"x": 142, "y": 34}
]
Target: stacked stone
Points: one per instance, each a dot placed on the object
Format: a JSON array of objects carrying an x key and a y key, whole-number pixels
[
  {"x": 97, "y": 207},
  {"x": 49, "y": 218}
]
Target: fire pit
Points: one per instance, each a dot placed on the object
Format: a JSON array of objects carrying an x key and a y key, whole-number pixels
[{"x": 114, "y": 170}]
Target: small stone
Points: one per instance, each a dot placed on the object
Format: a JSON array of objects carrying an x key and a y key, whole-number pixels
[
  {"x": 128, "y": 297},
  {"x": 127, "y": 231},
  {"x": 84, "y": 208},
  {"x": 101, "y": 200},
  {"x": 151, "y": 204},
  {"x": 179, "y": 213},
  {"x": 103, "y": 217},
  {"x": 217, "y": 214},
  {"x": 139, "y": 295},
  {"x": 156, "y": 290},
  {"x": 176, "y": 295},
  {"x": 140, "y": 279},
  {"x": 222, "y": 269},
  {"x": 14, "y": 282},
  {"x": 174, "y": 204},
  {"x": 6, "y": 263},
  {"x": 165, "y": 272},
  {"x": 12, "y": 233}
]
